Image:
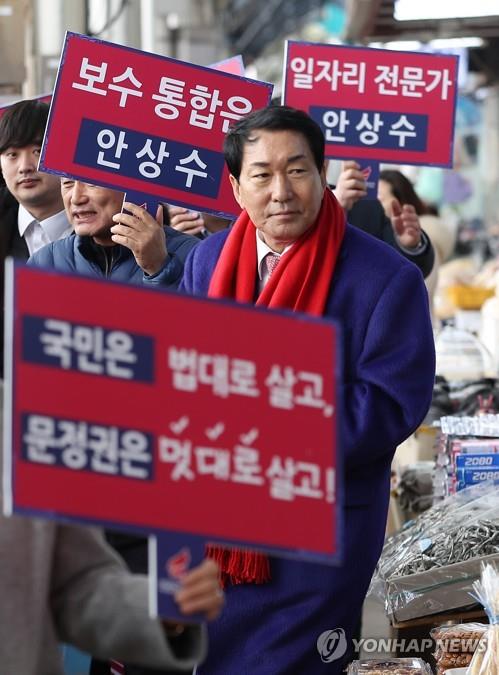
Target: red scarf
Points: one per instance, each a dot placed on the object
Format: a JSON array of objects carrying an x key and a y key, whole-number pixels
[{"x": 300, "y": 282}]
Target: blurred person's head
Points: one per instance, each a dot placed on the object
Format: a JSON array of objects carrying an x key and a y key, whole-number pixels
[
  {"x": 392, "y": 184},
  {"x": 276, "y": 161},
  {"x": 22, "y": 128},
  {"x": 90, "y": 209}
]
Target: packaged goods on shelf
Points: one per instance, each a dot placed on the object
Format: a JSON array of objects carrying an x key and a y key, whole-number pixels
[
  {"x": 455, "y": 645},
  {"x": 467, "y": 453},
  {"x": 430, "y": 565},
  {"x": 485, "y": 660},
  {"x": 460, "y": 356},
  {"x": 389, "y": 667}
]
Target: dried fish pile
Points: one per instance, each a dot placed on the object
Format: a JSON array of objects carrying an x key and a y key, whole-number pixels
[
  {"x": 446, "y": 548},
  {"x": 460, "y": 528}
]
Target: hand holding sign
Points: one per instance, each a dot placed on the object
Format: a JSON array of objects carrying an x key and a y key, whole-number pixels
[
  {"x": 184, "y": 220},
  {"x": 405, "y": 223},
  {"x": 143, "y": 235},
  {"x": 200, "y": 591},
  {"x": 351, "y": 185}
]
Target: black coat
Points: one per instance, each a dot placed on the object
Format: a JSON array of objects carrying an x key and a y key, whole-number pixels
[
  {"x": 11, "y": 244},
  {"x": 368, "y": 215}
]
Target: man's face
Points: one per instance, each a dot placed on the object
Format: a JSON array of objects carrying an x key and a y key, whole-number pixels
[
  {"x": 90, "y": 209},
  {"x": 280, "y": 186},
  {"x": 37, "y": 191}
]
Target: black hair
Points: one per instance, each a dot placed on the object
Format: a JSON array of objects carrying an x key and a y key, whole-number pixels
[
  {"x": 23, "y": 124},
  {"x": 273, "y": 118},
  {"x": 403, "y": 189}
]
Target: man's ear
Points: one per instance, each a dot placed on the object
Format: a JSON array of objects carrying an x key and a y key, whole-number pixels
[
  {"x": 236, "y": 190},
  {"x": 323, "y": 172}
]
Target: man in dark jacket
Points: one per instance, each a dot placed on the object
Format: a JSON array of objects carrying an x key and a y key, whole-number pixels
[
  {"x": 124, "y": 246},
  {"x": 31, "y": 208}
]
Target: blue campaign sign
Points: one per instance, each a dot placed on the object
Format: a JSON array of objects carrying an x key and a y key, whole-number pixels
[
  {"x": 370, "y": 171},
  {"x": 71, "y": 443},
  {"x": 170, "y": 556},
  {"x": 147, "y": 158},
  {"x": 147, "y": 201},
  {"x": 90, "y": 349},
  {"x": 364, "y": 128}
]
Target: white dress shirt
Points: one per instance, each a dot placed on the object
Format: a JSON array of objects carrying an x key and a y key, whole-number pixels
[
  {"x": 261, "y": 251},
  {"x": 38, "y": 234}
]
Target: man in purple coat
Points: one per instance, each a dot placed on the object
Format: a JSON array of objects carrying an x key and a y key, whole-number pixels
[{"x": 291, "y": 249}]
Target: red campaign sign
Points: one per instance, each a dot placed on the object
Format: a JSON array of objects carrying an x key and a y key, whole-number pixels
[
  {"x": 146, "y": 410},
  {"x": 46, "y": 98},
  {"x": 377, "y": 104},
  {"x": 145, "y": 123}
]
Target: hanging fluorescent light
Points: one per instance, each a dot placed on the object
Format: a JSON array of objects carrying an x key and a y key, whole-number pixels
[
  {"x": 408, "y": 10},
  {"x": 399, "y": 45},
  {"x": 450, "y": 43}
]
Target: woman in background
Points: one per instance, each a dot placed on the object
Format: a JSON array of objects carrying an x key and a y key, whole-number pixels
[{"x": 394, "y": 185}]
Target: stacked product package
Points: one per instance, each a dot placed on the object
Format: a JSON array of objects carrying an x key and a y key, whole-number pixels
[
  {"x": 405, "y": 666},
  {"x": 467, "y": 453},
  {"x": 485, "y": 660},
  {"x": 456, "y": 645}
]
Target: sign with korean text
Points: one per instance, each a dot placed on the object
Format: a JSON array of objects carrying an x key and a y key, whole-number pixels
[
  {"x": 145, "y": 123},
  {"x": 173, "y": 413},
  {"x": 234, "y": 65},
  {"x": 377, "y": 104}
]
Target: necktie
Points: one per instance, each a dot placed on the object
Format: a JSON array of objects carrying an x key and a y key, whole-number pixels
[{"x": 271, "y": 260}]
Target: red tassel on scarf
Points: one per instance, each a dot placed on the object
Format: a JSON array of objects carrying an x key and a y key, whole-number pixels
[
  {"x": 240, "y": 567},
  {"x": 301, "y": 282}
]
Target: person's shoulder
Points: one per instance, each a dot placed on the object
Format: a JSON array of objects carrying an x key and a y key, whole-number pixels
[
  {"x": 56, "y": 251},
  {"x": 201, "y": 262},
  {"x": 212, "y": 245},
  {"x": 7, "y": 201}
]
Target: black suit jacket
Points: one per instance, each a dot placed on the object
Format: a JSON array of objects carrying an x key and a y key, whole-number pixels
[
  {"x": 368, "y": 215},
  {"x": 11, "y": 244}
]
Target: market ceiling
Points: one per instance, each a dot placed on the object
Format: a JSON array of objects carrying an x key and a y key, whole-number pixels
[{"x": 373, "y": 21}]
